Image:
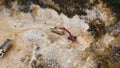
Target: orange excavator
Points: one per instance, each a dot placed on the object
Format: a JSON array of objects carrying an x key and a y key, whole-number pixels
[{"x": 61, "y": 30}]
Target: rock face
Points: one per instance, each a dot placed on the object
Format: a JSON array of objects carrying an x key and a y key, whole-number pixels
[{"x": 35, "y": 46}]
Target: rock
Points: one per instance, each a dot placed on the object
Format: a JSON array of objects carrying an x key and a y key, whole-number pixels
[
  {"x": 97, "y": 28},
  {"x": 34, "y": 36},
  {"x": 115, "y": 54}
]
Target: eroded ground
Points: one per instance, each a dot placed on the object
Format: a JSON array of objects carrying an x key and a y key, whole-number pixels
[{"x": 35, "y": 46}]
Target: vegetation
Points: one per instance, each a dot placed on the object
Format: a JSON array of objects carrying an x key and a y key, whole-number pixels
[
  {"x": 115, "y": 4},
  {"x": 113, "y": 1},
  {"x": 105, "y": 62}
]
